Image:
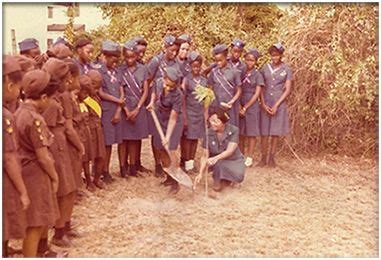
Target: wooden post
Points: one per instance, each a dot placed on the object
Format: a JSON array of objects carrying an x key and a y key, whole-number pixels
[{"x": 14, "y": 46}]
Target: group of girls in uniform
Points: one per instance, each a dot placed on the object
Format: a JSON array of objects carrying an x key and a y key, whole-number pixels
[{"x": 63, "y": 112}]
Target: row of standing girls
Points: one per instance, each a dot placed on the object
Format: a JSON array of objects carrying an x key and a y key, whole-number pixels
[{"x": 71, "y": 111}]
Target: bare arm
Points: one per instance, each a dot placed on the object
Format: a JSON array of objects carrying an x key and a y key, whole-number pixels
[
  {"x": 13, "y": 169},
  {"x": 171, "y": 124},
  {"x": 47, "y": 163},
  {"x": 236, "y": 96},
  {"x": 73, "y": 136},
  {"x": 285, "y": 94},
  {"x": 103, "y": 95},
  {"x": 253, "y": 98}
]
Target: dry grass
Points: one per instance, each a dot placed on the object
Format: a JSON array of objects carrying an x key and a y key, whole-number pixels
[{"x": 328, "y": 207}]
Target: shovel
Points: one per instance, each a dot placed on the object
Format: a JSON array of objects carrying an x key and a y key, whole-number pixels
[{"x": 176, "y": 173}]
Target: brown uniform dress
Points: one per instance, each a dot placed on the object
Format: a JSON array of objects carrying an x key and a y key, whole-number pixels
[
  {"x": 14, "y": 218},
  {"x": 33, "y": 134},
  {"x": 81, "y": 124},
  {"x": 55, "y": 120},
  {"x": 97, "y": 138},
  {"x": 75, "y": 156}
]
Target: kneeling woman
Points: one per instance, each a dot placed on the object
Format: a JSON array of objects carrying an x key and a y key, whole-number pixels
[{"x": 221, "y": 152}]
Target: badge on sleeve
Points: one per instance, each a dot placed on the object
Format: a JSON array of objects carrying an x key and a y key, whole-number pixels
[
  {"x": 9, "y": 130},
  {"x": 37, "y": 122},
  {"x": 7, "y": 121},
  {"x": 283, "y": 73}
]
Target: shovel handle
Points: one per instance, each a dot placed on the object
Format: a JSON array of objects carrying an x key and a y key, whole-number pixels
[{"x": 158, "y": 126}]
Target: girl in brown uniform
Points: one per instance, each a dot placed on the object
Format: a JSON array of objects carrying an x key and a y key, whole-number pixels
[
  {"x": 15, "y": 196},
  {"x": 93, "y": 102},
  {"x": 55, "y": 120},
  {"x": 39, "y": 173}
]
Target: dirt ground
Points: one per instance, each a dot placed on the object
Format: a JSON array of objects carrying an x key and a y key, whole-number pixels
[{"x": 326, "y": 207}]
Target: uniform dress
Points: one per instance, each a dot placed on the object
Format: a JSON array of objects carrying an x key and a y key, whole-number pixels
[
  {"x": 133, "y": 87},
  {"x": 231, "y": 168},
  {"x": 249, "y": 125},
  {"x": 275, "y": 79},
  {"x": 225, "y": 82},
  {"x": 156, "y": 69},
  {"x": 163, "y": 108},
  {"x": 14, "y": 217},
  {"x": 96, "y": 132},
  {"x": 68, "y": 105},
  {"x": 55, "y": 120},
  {"x": 240, "y": 66},
  {"x": 184, "y": 66},
  {"x": 194, "y": 109},
  {"x": 34, "y": 134},
  {"x": 82, "y": 125},
  {"x": 111, "y": 84}
]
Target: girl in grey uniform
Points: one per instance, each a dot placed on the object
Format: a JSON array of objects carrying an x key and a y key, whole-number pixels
[
  {"x": 274, "y": 117},
  {"x": 156, "y": 69},
  {"x": 226, "y": 83},
  {"x": 250, "y": 110},
  {"x": 167, "y": 102},
  {"x": 221, "y": 152},
  {"x": 135, "y": 126},
  {"x": 113, "y": 99},
  {"x": 194, "y": 111}
]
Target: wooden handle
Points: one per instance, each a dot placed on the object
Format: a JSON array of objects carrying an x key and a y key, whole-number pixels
[{"x": 158, "y": 126}]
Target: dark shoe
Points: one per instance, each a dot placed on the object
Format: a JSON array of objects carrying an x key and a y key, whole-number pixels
[
  {"x": 272, "y": 163},
  {"x": 123, "y": 171},
  {"x": 62, "y": 242},
  {"x": 159, "y": 171},
  {"x": 132, "y": 171},
  {"x": 217, "y": 186},
  {"x": 73, "y": 234},
  {"x": 91, "y": 187},
  {"x": 107, "y": 178},
  {"x": 175, "y": 187},
  {"x": 99, "y": 184},
  {"x": 52, "y": 254},
  {"x": 262, "y": 162},
  {"x": 168, "y": 182},
  {"x": 143, "y": 169}
]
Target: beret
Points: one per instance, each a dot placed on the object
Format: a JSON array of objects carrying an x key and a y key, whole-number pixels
[
  {"x": 169, "y": 40},
  {"x": 82, "y": 42},
  {"x": 61, "y": 51},
  {"x": 26, "y": 63},
  {"x": 28, "y": 44},
  {"x": 193, "y": 55},
  {"x": 61, "y": 40},
  {"x": 253, "y": 52},
  {"x": 10, "y": 65},
  {"x": 172, "y": 74},
  {"x": 139, "y": 40},
  {"x": 56, "y": 67},
  {"x": 34, "y": 82},
  {"x": 238, "y": 43},
  {"x": 111, "y": 47},
  {"x": 219, "y": 48},
  {"x": 185, "y": 38},
  {"x": 130, "y": 45},
  {"x": 278, "y": 46}
]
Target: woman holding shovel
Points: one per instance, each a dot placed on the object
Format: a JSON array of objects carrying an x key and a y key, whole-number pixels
[{"x": 165, "y": 106}]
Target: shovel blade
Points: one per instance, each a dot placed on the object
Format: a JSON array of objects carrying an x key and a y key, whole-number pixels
[{"x": 180, "y": 176}]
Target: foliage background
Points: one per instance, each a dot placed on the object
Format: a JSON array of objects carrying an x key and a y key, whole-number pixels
[{"x": 332, "y": 49}]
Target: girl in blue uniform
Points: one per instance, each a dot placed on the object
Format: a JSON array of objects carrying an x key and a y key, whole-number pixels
[
  {"x": 250, "y": 110},
  {"x": 226, "y": 83},
  {"x": 156, "y": 70},
  {"x": 274, "y": 118},
  {"x": 113, "y": 100},
  {"x": 194, "y": 111},
  {"x": 167, "y": 102},
  {"x": 135, "y": 125}
]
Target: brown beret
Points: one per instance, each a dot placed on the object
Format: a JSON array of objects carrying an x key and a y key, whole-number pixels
[
  {"x": 95, "y": 75},
  {"x": 82, "y": 42},
  {"x": 34, "y": 82},
  {"x": 56, "y": 67},
  {"x": 26, "y": 63},
  {"x": 10, "y": 65},
  {"x": 61, "y": 51}
]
